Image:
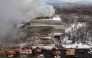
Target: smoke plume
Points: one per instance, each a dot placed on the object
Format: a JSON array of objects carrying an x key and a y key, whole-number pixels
[
  {"x": 9, "y": 11},
  {"x": 35, "y": 8},
  {"x": 13, "y": 10}
]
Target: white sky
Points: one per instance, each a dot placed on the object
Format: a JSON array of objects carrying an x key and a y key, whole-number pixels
[
  {"x": 71, "y": 0},
  {"x": 76, "y": 0},
  {"x": 66, "y": 0}
]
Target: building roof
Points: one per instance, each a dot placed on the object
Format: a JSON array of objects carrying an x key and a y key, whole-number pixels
[{"x": 55, "y": 22}]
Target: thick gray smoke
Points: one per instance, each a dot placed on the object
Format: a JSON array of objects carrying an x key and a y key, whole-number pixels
[
  {"x": 35, "y": 8},
  {"x": 13, "y": 10},
  {"x": 9, "y": 11}
]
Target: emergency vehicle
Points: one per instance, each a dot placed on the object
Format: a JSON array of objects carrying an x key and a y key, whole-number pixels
[{"x": 12, "y": 52}]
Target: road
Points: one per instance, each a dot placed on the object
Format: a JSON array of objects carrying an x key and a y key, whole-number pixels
[{"x": 31, "y": 57}]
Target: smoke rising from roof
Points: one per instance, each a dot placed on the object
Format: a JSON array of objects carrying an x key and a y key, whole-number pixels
[
  {"x": 36, "y": 8},
  {"x": 13, "y": 10}
]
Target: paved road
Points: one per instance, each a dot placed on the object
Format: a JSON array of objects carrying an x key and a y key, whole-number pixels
[{"x": 33, "y": 57}]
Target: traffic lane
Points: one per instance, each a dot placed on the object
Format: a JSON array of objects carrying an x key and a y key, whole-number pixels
[{"x": 26, "y": 56}]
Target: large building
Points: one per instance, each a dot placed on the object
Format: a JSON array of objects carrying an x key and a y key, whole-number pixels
[{"x": 55, "y": 23}]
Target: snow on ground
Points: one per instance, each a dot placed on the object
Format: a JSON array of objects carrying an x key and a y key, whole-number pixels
[
  {"x": 75, "y": 45},
  {"x": 69, "y": 29},
  {"x": 72, "y": 28},
  {"x": 56, "y": 18},
  {"x": 45, "y": 47}
]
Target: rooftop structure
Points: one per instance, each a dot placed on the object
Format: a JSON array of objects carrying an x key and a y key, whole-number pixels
[{"x": 54, "y": 22}]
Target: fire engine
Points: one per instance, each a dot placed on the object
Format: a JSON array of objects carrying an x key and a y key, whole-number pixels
[
  {"x": 12, "y": 52},
  {"x": 25, "y": 51}
]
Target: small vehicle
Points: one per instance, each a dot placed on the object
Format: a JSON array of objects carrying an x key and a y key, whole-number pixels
[
  {"x": 12, "y": 52},
  {"x": 55, "y": 52},
  {"x": 26, "y": 51}
]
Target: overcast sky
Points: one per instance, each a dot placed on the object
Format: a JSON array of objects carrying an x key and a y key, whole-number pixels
[
  {"x": 63, "y": 0},
  {"x": 69, "y": 0}
]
